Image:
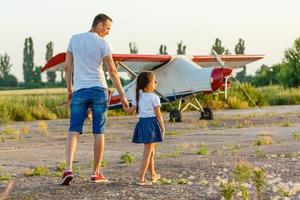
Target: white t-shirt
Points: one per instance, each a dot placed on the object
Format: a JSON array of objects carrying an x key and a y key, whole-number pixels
[
  {"x": 147, "y": 103},
  {"x": 88, "y": 51}
]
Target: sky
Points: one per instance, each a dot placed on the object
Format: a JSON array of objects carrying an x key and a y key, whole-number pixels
[{"x": 268, "y": 27}]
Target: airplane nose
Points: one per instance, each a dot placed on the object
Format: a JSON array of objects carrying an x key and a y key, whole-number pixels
[
  {"x": 227, "y": 71},
  {"x": 217, "y": 76}
]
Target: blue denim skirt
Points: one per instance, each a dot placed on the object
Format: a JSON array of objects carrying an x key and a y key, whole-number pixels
[{"x": 147, "y": 130}]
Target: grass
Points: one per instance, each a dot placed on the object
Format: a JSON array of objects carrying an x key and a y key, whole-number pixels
[
  {"x": 286, "y": 123},
  {"x": 174, "y": 154},
  {"x": 227, "y": 190},
  {"x": 61, "y": 166},
  {"x": 104, "y": 163},
  {"x": 173, "y": 133},
  {"x": 242, "y": 171},
  {"x": 6, "y": 176},
  {"x": 296, "y": 136},
  {"x": 180, "y": 181},
  {"x": 203, "y": 124},
  {"x": 263, "y": 140},
  {"x": 43, "y": 128},
  {"x": 127, "y": 158},
  {"x": 38, "y": 171},
  {"x": 259, "y": 153},
  {"x": 202, "y": 150},
  {"x": 259, "y": 181},
  {"x": 9, "y": 133},
  {"x": 45, "y": 104}
]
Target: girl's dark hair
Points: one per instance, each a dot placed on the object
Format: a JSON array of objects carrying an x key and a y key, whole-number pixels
[{"x": 143, "y": 80}]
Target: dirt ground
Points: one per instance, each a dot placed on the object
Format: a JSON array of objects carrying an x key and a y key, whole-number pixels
[{"x": 231, "y": 138}]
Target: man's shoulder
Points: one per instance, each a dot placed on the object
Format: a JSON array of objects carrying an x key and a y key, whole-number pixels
[{"x": 76, "y": 35}]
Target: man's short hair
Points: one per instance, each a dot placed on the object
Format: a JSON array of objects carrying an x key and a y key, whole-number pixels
[{"x": 101, "y": 18}]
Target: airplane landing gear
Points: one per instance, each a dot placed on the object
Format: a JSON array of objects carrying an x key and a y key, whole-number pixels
[
  {"x": 206, "y": 114},
  {"x": 175, "y": 115}
]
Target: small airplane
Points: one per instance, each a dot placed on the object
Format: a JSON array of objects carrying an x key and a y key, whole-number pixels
[{"x": 180, "y": 77}]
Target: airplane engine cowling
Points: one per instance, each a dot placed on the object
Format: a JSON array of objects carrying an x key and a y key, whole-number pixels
[{"x": 217, "y": 76}]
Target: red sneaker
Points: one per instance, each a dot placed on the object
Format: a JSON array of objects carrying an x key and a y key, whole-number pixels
[
  {"x": 67, "y": 177},
  {"x": 98, "y": 178}
]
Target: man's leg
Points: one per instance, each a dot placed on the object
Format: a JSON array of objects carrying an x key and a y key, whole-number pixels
[
  {"x": 70, "y": 149},
  {"x": 99, "y": 144},
  {"x": 68, "y": 175}
]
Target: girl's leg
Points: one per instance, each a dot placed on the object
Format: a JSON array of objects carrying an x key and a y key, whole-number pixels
[
  {"x": 151, "y": 163},
  {"x": 146, "y": 159}
]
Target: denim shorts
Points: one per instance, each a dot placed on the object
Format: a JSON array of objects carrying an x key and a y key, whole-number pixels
[{"x": 96, "y": 97}]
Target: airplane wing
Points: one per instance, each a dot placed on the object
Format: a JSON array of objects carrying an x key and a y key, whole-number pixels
[
  {"x": 233, "y": 61},
  {"x": 136, "y": 62}
]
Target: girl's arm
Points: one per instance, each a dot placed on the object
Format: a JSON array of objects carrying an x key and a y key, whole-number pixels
[
  {"x": 130, "y": 110},
  {"x": 160, "y": 120}
]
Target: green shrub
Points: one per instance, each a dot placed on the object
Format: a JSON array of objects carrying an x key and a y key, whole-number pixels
[
  {"x": 5, "y": 176},
  {"x": 127, "y": 158}
]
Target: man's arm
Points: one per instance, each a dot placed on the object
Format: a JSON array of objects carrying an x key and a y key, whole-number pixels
[
  {"x": 68, "y": 73},
  {"x": 114, "y": 75}
]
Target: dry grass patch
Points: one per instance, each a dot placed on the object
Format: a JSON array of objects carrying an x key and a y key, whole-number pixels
[
  {"x": 203, "y": 124},
  {"x": 43, "y": 128}
]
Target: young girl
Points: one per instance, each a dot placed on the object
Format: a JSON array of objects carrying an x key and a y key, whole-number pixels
[{"x": 150, "y": 127}]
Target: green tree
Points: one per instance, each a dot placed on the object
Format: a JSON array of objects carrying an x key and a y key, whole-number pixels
[
  {"x": 6, "y": 79},
  {"x": 28, "y": 63},
  {"x": 181, "y": 49},
  {"x": 219, "y": 49},
  {"x": 291, "y": 69},
  {"x": 240, "y": 49},
  {"x": 51, "y": 76},
  {"x": 133, "y": 48},
  {"x": 163, "y": 50},
  {"x": 5, "y": 65}
]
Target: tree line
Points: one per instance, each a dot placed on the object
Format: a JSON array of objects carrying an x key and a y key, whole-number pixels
[{"x": 284, "y": 73}]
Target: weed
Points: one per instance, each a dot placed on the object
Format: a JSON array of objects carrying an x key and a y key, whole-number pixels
[
  {"x": 61, "y": 166},
  {"x": 227, "y": 190},
  {"x": 214, "y": 123},
  {"x": 24, "y": 130},
  {"x": 5, "y": 176},
  {"x": 176, "y": 152},
  {"x": 38, "y": 171},
  {"x": 203, "y": 124},
  {"x": 282, "y": 191},
  {"x": 127, "y": 158},
  {"x": 165, "y": 181},
  {"x": 242, "y": 172},
  {"x": 56, "y": 174},
  {"x": 43, "y": 128},
  {"x": 104, "y": 163},
  {"x": 202, "y": 150},
  {"x": 296, "y": 136},
  {"x": 285, "y": 123},
  {"x": 173, "y": 133},
  {"x": 259, "y": 153},
  {"x": 259, "y": 180},
  {"x": 244, "y": 191},
  {"x": 182, "y": 181},
  {"x": 10, "y": 133},
  {"x": 263, "y": 140}
]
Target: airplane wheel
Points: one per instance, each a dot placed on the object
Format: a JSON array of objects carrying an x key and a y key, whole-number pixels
[
  {"x": 207, "y": 114},
  {"x": 175, "y": 115}
]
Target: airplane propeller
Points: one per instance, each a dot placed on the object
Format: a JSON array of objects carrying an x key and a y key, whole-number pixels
[
  {"x": 226, "y": 71},
  {"x": 222, "y": 64}
]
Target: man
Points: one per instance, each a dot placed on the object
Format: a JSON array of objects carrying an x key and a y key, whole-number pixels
[{"x": 85, "y": 56}]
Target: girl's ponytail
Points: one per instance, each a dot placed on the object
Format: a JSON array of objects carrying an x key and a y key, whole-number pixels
[{"x": 137, "y": 96}]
